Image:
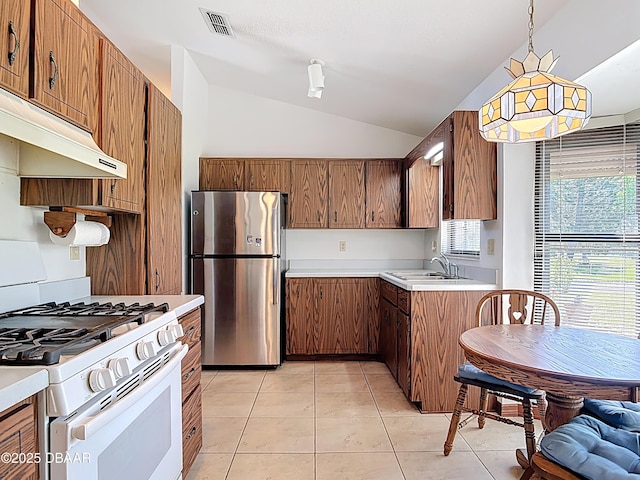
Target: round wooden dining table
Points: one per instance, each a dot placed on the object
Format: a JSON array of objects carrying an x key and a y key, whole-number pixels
[{"x": 567, "y": 363}]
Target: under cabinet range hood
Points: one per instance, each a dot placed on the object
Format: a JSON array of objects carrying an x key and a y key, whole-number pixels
[{"x": 50, "y": 147}]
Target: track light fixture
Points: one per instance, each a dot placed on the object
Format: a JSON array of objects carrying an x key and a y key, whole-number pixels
[{"x": 316, "y": 78}]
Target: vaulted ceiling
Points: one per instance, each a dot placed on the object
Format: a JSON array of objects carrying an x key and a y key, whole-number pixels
[{"x": 403, "y": 65}]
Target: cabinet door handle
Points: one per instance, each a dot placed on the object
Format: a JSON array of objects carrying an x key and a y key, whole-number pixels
[
  {"x": 14, "y": 43},
  {"x": 251, "y": 180},
  {"x": 189, "y": 331},
  {"x": 192, "y": 432},
  {"x": 373, "y": 216},
  {"x": 53, "y": 69},
  {"x": 318, "y": 216},
  {"x": 157, "y": 281},
  {"x": 113, "y": 186},
  {"x": 321, "y": 295},
  {"x": 335, "y": 216},
  {"x": 189, "y": 373}
]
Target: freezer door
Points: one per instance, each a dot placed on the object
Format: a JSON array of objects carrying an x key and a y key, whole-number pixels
[
  {"x": 235, "y": 223},
  {"x": 241, "y": 322}
]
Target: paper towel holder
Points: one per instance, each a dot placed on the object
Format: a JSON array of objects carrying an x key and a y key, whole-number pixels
[{"x": 61, "y": 220}]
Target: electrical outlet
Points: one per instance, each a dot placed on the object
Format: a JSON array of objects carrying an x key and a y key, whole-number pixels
[
  {"x": 491, "y": 246},
  {"x": 434, "y": 246},
  {"x": 342, "y": 245},
  {"x": 74, "y": 253}
]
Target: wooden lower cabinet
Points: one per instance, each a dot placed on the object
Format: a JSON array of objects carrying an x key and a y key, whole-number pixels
[
  {"x": 404, "y": 352},
  {"x": 388, "y": 345},
  {"x": 191, "y": 391},
  {"x": 18, "y": 435},
  {"x": 330, "y": 315},
  {"x": 438, "y": 318}
]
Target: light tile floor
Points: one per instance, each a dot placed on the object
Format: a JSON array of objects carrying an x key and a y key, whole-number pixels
[{"x": 337, "y": 421}]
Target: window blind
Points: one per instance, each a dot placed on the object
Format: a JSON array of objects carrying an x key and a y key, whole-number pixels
[
  {"x": 461, "y": 237},
  {"x": 587, "y": 256}
]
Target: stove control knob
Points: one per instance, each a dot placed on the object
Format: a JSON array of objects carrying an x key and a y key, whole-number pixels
[
  {"x": 120, "y": 367},
  {"x": 177, "y": 330},
  {"x": 100, "y": 379},
  {"x": 146, "y": 350},
  {"x": 165, "y": 337},
  {"x": 170, "y": 335}
]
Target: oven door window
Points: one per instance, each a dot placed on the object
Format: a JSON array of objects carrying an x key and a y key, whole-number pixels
[{"x": 137, "y": 437}]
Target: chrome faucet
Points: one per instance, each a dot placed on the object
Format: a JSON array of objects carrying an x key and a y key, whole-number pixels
[{"x": 447, "y": 267}]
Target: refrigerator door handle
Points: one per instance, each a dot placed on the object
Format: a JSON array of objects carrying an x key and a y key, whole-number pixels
[{"x": 276, "y": 290}]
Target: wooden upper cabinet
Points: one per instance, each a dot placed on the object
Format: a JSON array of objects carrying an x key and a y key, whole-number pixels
[
  {"x": 383, "y": 197},
  {"x": 123, "y": 127},
  {"x": 164, "y": 194},
  {"x": 469, "y": 176},
  {"x": 122, "y": 99},
  {"x": 14, "y": 46},
  {"x": 346, "y": 194},
  {"x": 64, "y": 59},
  {"x": 308, "y": 197},
  {"x": 422, "y": 196},
  {"x": 221, "y": 174},
  {"x": 266, "y": 175}
]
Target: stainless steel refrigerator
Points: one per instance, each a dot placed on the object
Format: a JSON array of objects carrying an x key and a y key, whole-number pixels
[{"x": 236, "y": 247}]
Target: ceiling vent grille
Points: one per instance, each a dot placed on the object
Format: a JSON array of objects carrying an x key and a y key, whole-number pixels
[{"x": 217, "y": 23}]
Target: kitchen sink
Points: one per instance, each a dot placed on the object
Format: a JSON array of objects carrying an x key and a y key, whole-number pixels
[{"x": 422, "y": 275}]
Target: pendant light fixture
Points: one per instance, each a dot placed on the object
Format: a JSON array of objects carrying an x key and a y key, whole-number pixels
[{"x": 535, "y": 105}]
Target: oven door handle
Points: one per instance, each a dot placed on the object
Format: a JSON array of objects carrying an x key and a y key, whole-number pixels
[{"x": 93, "y": 424}]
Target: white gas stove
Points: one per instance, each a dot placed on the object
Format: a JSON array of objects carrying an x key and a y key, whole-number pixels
[
  {"x": 85, "y": 347},
  {"x": 114, "y": 369}
]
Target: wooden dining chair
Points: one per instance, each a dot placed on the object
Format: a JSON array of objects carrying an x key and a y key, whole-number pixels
[{"x": 498, "y": 307}]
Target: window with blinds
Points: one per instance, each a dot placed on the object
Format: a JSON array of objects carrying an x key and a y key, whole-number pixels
[
  {"x": 461, "y": 237},
  {"x": 587, "y": 255}
]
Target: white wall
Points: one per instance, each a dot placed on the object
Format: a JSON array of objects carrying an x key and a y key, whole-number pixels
[
  {"x": 189, "y": 92},
  {"x": 26, "y": 223},
  {"x": 242, "y": 125},
  {"x": 361, "y": 244}
]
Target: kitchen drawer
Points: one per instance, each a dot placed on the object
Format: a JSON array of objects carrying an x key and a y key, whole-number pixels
[
  {"x": 191, "y": 370},
  {"x": 191, "y": 325},
  {"x": 389, "y": 291},
  {"x": 191, "y": 430},
  {"x": 404, "y": 301},
  {"x": 18, "y": 436}
]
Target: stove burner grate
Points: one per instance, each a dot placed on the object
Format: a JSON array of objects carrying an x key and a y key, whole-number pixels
[{"x": 38, "y": 335}]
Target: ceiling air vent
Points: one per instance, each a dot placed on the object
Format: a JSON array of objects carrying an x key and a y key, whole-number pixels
[{"x": 217, "y": 23}]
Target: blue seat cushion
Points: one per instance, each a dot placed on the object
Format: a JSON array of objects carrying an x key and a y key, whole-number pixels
[
  {"x": 619, "y": 414},
  {"x": 472, "y": 372},
  {"x": 593, "y": 449}
]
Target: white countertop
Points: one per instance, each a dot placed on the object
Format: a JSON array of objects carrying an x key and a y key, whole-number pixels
[
  {"x": 413, "y": 285},
  {"x": 18, "y": 383}
]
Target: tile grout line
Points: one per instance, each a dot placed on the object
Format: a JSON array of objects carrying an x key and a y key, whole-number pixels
[
  {"x": 395, "y": 454},
  {"x": 245, "y": 427}
]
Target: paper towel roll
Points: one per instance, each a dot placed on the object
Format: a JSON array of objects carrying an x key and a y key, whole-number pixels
[{"x": 86, "y": 234}]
